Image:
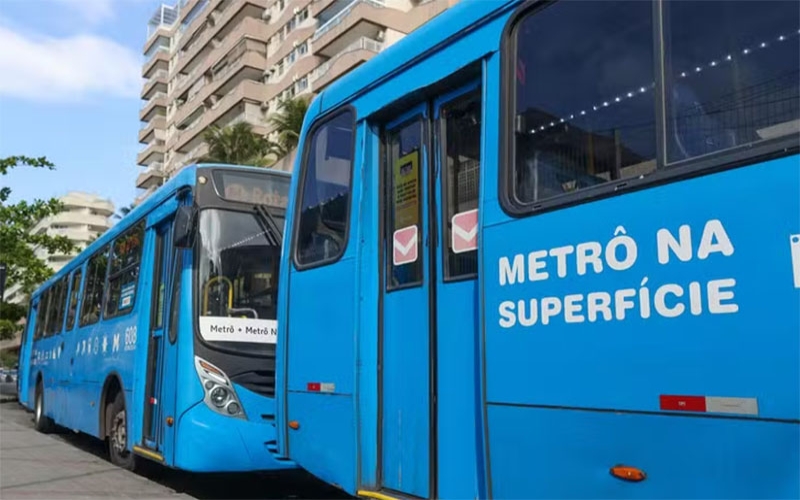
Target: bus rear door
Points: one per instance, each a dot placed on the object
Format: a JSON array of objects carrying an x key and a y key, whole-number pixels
[{"x": 159, "y": 395}]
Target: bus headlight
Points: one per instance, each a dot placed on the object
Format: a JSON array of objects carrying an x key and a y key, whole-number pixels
[{"x": 219, "y": 393}]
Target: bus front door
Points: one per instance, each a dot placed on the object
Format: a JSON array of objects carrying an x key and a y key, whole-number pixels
[
  {"x": 429, "y": 314},
  {"x": 159, "y": 394},
  {"x": 406, "y": 434}
]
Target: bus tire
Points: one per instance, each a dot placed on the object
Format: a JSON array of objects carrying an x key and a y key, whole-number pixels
[
  {"x": 41, "y": 422},
  {"x": 117, "y": 425}
]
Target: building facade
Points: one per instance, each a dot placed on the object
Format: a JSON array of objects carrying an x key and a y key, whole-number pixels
[
  {"x": 84, "y": 218},
  {"x": 219, "y": 62}
]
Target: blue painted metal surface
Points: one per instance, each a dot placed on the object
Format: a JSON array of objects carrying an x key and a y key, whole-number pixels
[
  {"x": 76, "y": 367},
  {"x": 544, "y": 411}
]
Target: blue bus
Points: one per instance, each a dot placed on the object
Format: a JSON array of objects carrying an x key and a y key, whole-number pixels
[
  {"x": 159, "y": 337},
  {"x": 553, "y": 250}
]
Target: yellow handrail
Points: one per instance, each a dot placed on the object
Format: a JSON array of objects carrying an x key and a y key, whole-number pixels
[{"x": 205, "y": 292}]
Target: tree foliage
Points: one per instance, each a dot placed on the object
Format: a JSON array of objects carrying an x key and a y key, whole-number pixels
[
  {"x": 17, "y": 244},
  {"x": 239, "y": 145},
  {"x": 288, "y": 122}
]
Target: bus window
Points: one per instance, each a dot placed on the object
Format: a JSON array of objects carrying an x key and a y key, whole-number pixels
[
  {"x": 41, "y": 315},
  {"x": 404, "y": 192},
  {"x": 124, "y": 271},
  {"x": 731, "y": 75},
  {"x": 55, "y": 310},
  {"x": 461, "y": 134},
  {"x": 73, "y": 299},
  {"x": 585, "y": 105},
  {"x": 93, "y": 290},
  {"x": 325, "y": 198}
]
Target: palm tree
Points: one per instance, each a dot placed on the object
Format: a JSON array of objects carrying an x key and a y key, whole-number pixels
[
  {"x": 236, "y": 144},
  {"x": 288, "y": 122},
  {"x": 124, "y": 211}
]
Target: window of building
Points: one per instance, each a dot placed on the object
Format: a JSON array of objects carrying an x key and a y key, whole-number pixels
[
  {"x": 302, "y": 84},
  {"x": 461, "y": 135},
  {"x": 325, "y": 192},
  {"x": 123, "y": 273},
  {"x": 93, "y": 289},
  {"x": 73, "y": 299},
  {"x": 583, "y": 108}
]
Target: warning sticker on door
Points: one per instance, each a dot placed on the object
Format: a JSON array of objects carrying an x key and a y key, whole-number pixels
[
  {"x": 404, "y": 244},
  {"x": 464, "y": 233}
]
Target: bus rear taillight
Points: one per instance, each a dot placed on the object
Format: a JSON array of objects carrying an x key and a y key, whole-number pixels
[{"x": 219, "y": 393}]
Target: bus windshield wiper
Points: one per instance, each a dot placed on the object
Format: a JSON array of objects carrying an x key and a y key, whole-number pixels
[{"x": 270, "y": 224}]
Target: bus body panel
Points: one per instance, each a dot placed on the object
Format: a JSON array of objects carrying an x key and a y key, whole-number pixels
[
  {"x": 683, "y": 456},
  {"x": 668, "y": 347},
  {"x": 667, "y": 337}
]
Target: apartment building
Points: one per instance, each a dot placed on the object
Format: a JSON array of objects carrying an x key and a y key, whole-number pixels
[
  {"x": 84, "y": 218},
  {"x": 219, "y": 62}
]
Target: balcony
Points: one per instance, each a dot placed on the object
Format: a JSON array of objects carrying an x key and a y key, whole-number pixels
[
  {"x": 244, "y": 65},
  {"x": 239, "y": 17},
  {"x": 152, "y": 128},
  {"x": 247, "y": 91},
  {"x": 358, "y": 52},
  {"x": 153, "y": 152},
  {"x": 153, "y": 176},
  {"x": 157, "y": 105},
  {"x": 359, "y": 18},
  {"x": 248, "y": 29},
  {"x": 160, "y": 60},
  {"x": 156, "y": 83}
]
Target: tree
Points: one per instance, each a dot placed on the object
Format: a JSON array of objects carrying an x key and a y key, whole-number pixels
[
  {"x": 236, "y": 144},
  {"x": 288, "y": 122},
  {"x": 124, "y": 211},
  {"x": 17, "y": 244},
  {"x": 10, "y": 314}
]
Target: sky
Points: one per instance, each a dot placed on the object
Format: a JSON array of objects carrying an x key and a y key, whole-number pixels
[{"x": 70, "y": 83}]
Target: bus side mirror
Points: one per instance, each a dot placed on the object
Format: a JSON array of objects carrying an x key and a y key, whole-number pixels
[{"x": 183, "y": 227}]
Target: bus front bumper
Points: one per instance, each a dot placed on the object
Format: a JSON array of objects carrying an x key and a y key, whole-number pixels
[{"x": 206, "y": 441}]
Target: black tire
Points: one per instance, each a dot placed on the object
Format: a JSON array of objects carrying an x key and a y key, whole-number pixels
[
  {"x": 117, "y": 426},
  {"x": 41, "y": 422}
]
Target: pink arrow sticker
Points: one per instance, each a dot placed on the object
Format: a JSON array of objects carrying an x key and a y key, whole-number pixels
[
  {"x": 405, "y": 246},
  {"x": 464, "y": 235}
]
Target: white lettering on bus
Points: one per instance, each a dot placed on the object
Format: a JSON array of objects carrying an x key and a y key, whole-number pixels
[{"x": 619, "y": 254}]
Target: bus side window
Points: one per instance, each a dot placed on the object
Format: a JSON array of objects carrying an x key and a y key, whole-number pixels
[
  {"x": 73, "y": 298},
  {"x": 41, "y": 315},
  {"x": 55, "y": 310},
  {"x": 93, "y": 291},
  {"x": 124, "y": 271},
  {"x": 461, "y": 135},
  {"x": 325, "y": 192}
]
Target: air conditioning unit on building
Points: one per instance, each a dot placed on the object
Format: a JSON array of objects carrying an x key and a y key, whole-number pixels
[
  {"x": 381, "y": 35},
  {"x": 266, "y": 15},
  {"x": 295, "y": 10}
]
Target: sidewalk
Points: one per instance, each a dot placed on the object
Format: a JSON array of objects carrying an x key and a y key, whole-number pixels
[{"x": 55, "y": 466}]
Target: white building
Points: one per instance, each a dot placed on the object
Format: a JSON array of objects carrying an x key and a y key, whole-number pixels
[{"x": 85, "y": 216}]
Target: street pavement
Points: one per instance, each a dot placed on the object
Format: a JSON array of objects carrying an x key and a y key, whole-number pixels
[{"x": 70, "y": 465}]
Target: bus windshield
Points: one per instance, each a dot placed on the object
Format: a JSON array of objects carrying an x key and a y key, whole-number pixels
[{"x": 237, "y": 282}]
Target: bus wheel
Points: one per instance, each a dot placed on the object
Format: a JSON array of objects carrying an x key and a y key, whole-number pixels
[
  {"x": 117, "y": 419},
  {"x": 42, "y": 422}
]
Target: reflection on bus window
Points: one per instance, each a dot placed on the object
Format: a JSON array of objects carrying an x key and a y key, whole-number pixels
[
  {"x": 732, "y": 74},
  {"x": 585, "y": 104}
]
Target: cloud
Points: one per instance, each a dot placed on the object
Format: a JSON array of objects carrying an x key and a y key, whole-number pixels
[
  {"x": 93, "y": 11},
  {"x": 45, "y": 68}
]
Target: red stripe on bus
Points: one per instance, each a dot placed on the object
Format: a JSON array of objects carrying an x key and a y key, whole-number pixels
[{"x": 683, "y": 403}]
